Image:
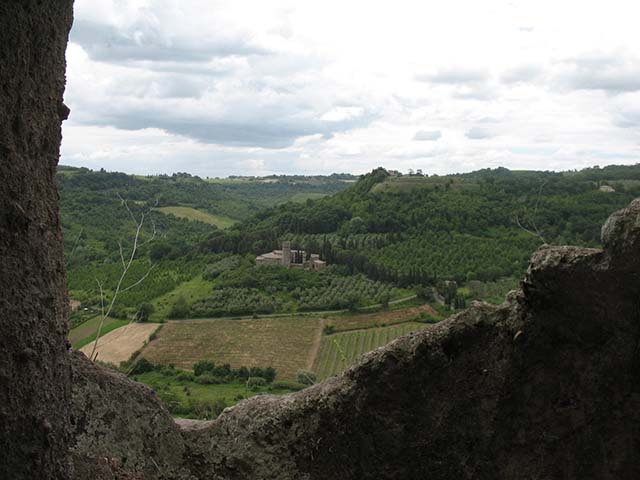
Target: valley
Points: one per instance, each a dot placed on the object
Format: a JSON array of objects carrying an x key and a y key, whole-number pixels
[{"x": 401, "y": 252}]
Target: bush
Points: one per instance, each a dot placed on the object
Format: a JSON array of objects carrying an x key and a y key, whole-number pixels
[
  {"x": 207, "y": 379},
  {"x": 142, "y": 366},
  {"x": 329, "y": 329},
  {"x": 185, "y": 377},
  {"x": 269, "y": 374},
  {"x": 288, "y": 385},
  {"x": 144, "y": 312},
  {"x": 253, "y": 383},
  {"x": 203, "y": 366},
  {"x": 306, "y": 378},
  {"x": 180, "y": 309}
]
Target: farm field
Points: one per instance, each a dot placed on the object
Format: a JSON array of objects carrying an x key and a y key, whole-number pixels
[
  {"x": 344, "y": 323},
  {"x": 192, "y": 214},
  {"x": 340, "y": 350},
  {"x": 286, "y": 344},
  {"x": 86, "y": 332},
  {"x": 118, "y": 345}
]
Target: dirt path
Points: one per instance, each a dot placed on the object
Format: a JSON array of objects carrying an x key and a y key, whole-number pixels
[{"x": 315, "y": 347}]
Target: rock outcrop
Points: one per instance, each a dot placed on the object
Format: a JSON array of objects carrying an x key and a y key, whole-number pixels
[
  {"x": 122, "y": 424},
  {"x": 35, "y": 378},
  {"x": 544, "y": 386}
]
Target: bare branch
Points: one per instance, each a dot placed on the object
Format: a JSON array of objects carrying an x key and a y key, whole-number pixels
[
  {"x": 75, "y": 245},
  {"x": 121, "y": 254},
  {"x": 94, "y": 355},
  {"x": 140, "y": 280},
  {"x": 535, "y": 234},
  {"x": 126, "y": 266}
]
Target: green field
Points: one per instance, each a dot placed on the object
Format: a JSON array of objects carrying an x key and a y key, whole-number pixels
[
  {"x": 86, "y": 333},
  {"x": 199, "y": 216},
  {"x": 174, "y": 392},
  {"x": 192, "y": 290},
  {"x": 287, "y": 344},
  {"x": 340, "y": 350},
  {"x": 397, "y": 184},
  {"x": 304, "y": 196}
]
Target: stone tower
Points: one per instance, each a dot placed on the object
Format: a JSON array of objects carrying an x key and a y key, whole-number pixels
[{"x": 286, "y": 254}]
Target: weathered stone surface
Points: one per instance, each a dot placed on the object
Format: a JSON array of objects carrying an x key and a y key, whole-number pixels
[
  {"x": 35, "y": 387},
  {"x": 120, "y": 426},
  {"x": 621, "y": 232},
  {"x": 546, "y": 385}
]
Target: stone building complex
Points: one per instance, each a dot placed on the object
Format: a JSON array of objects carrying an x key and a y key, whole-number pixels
[{"x": 291, "y": 258}]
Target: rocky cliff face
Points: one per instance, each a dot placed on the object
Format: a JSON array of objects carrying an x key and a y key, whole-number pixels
[
  {"x": 544, "y": 386},
  {"x": 35, "y": 389}
]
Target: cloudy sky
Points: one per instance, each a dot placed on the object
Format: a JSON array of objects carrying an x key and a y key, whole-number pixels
[{"x": 256, "y": 87}]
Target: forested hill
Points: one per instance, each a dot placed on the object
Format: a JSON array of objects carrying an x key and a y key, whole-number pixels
[
  {"x": 95, "y": 222},
  {"x": 420, "y": 229}
]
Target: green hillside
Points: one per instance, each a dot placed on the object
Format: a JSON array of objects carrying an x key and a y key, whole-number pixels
[{"x": 482, "y": 226}]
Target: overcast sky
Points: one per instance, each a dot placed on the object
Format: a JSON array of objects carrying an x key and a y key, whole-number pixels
[{"x": 216, "y": 88}]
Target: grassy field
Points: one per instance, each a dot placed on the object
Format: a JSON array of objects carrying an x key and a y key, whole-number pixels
[
  {"x": 86, "y": 333},
  {"x": 340, "y": 350},
  {"x": 119, "y": 344},
  {"x": 345, "y": 323},
  {"x": 304, "y": 196},
  {"x": 229, "y": 393},
  {"x": 287, "y": 344},
  {"x": 194, "y": 289},
  {"x": 198, "y": 215}
]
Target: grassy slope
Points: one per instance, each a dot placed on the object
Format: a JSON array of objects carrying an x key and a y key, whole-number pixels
[
  {"x": 340, "y": 350},
  {"x": 192, "y": 290},
  {"x": 198, "y": 215},
  {"x": 283, "y": 343},
  {"x": 86, "y": 333},
  {"x": 303, "y": 197}
]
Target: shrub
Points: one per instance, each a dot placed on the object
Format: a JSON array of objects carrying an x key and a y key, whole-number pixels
[
  {"x": 180, "y": 309},
  {"x": 253, "y": 383},
  {"x": 329, "y": 329},
  {"x": 185, "y": 377},
  {"x": 288, "y": 385},
  {"x": 142, "y": 366},
  {"x": 144, "y": 312},
  {"x": 203, "y": 366},
  {"x": 306, "y": 378},
  {"x": 207, "y": 379},
  {"x": 269, "y": 374}
]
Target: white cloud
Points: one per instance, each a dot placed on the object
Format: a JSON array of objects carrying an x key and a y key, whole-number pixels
[
  {"x": 479, "y": 133},
  {"x": 427, "y": 135},
  {"x": 220, "y": 87}
]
